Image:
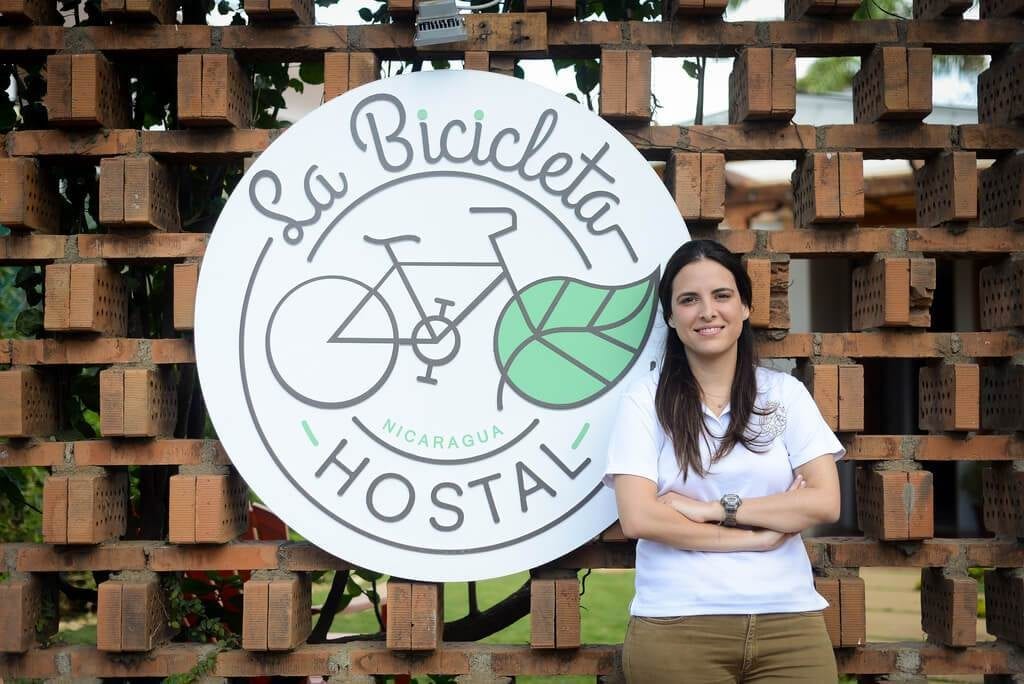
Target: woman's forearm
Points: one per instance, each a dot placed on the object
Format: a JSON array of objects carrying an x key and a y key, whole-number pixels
[
  {"x": 792, "y": 511},
  {"x": 662, "y": 524}
]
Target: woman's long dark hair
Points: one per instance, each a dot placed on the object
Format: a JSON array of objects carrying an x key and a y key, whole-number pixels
[{"x": 678, "y": 399}]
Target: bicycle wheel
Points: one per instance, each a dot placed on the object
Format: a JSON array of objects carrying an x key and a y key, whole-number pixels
[{"x": 334, "y": 360}]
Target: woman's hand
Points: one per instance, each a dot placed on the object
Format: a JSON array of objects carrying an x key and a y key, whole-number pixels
[
  {"x": 708, "y": 511},
  {"x": 697, "y": 511},
  {"x": 769, "y": 540}
]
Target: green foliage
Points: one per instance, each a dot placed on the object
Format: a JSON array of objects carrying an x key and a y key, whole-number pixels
[
  {"x": 21, "y": 503},
  {"x": 829, "y": 75}
]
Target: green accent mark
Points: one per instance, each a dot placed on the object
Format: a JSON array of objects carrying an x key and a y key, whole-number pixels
[
  {"x": 422, "y": 115},
  {"x": 309, "y": 433},
  {"x": 579, "y": 437},
  {"x": 478, "y": 115}
]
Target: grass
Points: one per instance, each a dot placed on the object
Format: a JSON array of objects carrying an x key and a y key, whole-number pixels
[{"x": 604, "y": 612}]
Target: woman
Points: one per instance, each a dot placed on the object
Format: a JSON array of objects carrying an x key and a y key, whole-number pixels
[{"x": 718, "y": 465}]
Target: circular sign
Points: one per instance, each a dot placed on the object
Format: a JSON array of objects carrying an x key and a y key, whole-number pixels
[{"x": 415, "y": 316}]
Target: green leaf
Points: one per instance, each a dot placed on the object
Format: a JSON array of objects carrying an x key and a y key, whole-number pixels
[
  {"x": 691, "y": 69},
  {"x": 296, "y": 85},
  {"x": 223, "y": 7},
  {"x": 365, "y": 14},
  {"x": 29, "y": 323},
  {"x": 562, "y": 342},
  {"x": 312, "y": 72},
  {"x": 11, "y": 491},
  {"x": 588, "y": 74}
]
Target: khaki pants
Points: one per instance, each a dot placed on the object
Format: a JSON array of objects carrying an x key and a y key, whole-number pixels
[{"x": 774, "y": 647}]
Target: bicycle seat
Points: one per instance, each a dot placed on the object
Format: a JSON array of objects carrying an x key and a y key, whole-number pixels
[{"x": 389, "y": 240}]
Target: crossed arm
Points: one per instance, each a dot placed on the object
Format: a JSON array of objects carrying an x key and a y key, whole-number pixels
[{"x": 686, "y": 523}]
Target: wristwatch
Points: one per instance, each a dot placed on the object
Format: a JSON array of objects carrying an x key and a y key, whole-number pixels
[{"x": 731, "y": 503}]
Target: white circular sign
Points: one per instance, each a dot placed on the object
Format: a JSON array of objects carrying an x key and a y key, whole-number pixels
[{"x": 415, "y": 316}]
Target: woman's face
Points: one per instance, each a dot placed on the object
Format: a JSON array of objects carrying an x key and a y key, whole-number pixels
[{"x": 707, "y": 312}]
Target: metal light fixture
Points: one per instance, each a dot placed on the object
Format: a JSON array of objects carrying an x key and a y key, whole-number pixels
[{"x": 438, "y": 21}]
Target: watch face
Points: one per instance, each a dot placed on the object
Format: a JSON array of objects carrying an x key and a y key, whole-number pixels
[{"x": 731, "y": 501}]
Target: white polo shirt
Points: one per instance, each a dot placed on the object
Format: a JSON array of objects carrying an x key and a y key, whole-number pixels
[{"x": 671, "y": 581}]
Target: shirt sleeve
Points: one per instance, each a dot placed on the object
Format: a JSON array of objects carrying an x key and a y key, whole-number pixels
[
  {"x": 807, "y": 436},
  {"x": 634, "y": 447}
]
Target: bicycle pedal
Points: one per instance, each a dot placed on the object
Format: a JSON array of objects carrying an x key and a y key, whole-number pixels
[{"x": 427, "y": 379}]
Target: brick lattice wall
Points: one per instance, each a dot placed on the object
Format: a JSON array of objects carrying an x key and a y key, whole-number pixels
[{"x": 969, "y": 388}]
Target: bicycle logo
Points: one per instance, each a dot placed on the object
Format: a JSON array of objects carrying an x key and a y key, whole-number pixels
[{"x": 435, "y": 338}]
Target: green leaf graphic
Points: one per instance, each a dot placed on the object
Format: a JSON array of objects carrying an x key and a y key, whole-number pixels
[{"x": 561, "y": 342}]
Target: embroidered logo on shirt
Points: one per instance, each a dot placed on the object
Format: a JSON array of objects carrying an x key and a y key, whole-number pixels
[{"x": 772, "y": 419}]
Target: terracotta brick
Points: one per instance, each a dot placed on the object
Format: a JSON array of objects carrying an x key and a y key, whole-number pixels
[
  {"x": 84, "y": 508},
  {"x": 1000, "y": 94},
  {"x": 762, "y": 85},
  {"x": 234, "y": 556},
  {"x": 894, "y": 83},
  {"x": 828, "y": 587},
  {"x": 138, "y": 192},
  {"x": 556, "y": 9},
  {"x": 159, "y": 11},
  {"x": 1001, "y": 192},
  {"x": 1002, "y": 397},
  {"x": 697, "y": 182},
  {"x": 32, "y": 453},
  {"x": 760, "y": 272},
  {"x": 106, "y": 452},
  {"x": 1001, "y": 295},
  {"x": 893, "y": 291},
  {"x": 854, "y": 552},
  {"x": 894, "y": 505},
  {"x": 186, "y": 280},
  {"x": 345, "y": 71},
  {"x": 473, "y": 60},
  {"x": 949, "y": 397},
  {"x": 1002, "y": 495},
  {"x": 48, "y": 558},
  {"x": 828, "y": 187},
  {"x": 28, "y": 197},
  {"x": 836, "y": 9},
  {"x": 57, "y": 297},
  {"x": 844, "y": 616},
  {"x": 213, "y": 90},
  {"x": 690, "y": 8},
  {"x": 27, "y": 604},
  {"x": 86, "y": 90},
  {"x": 31, "y": 248},
  {"x": 30, "y": 407},
  {"x": 137, "y": 402},
  {"x": 822, "y": 381},
  {"x": 31, "y": 12},
  {"x": 276, "y": 613},
  {"x": 555, "y": 610},
  {"x": 994, "y": 9},
  {"x": 851, "y": 398},
  {"x": 415, "y": 619},
  {"x": 131, "y": 615},
  {"x": 625, "y": 84},
  {"x": 156, "y": 246},
  {"x": 207, "y": 509},
  {"x": 85, "y": 298},
  {"x": 949, "y": 606},
  {"x": 947, "y": 189},
  {"x": 938, "y": 9},
  {"x": 280, "y": 10},
  {"x": 1004, "y": 605},
  {"x": 402, "y": 10}
]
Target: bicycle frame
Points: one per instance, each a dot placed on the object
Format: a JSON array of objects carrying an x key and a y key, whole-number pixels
[{"x": 427, "y": 321}]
